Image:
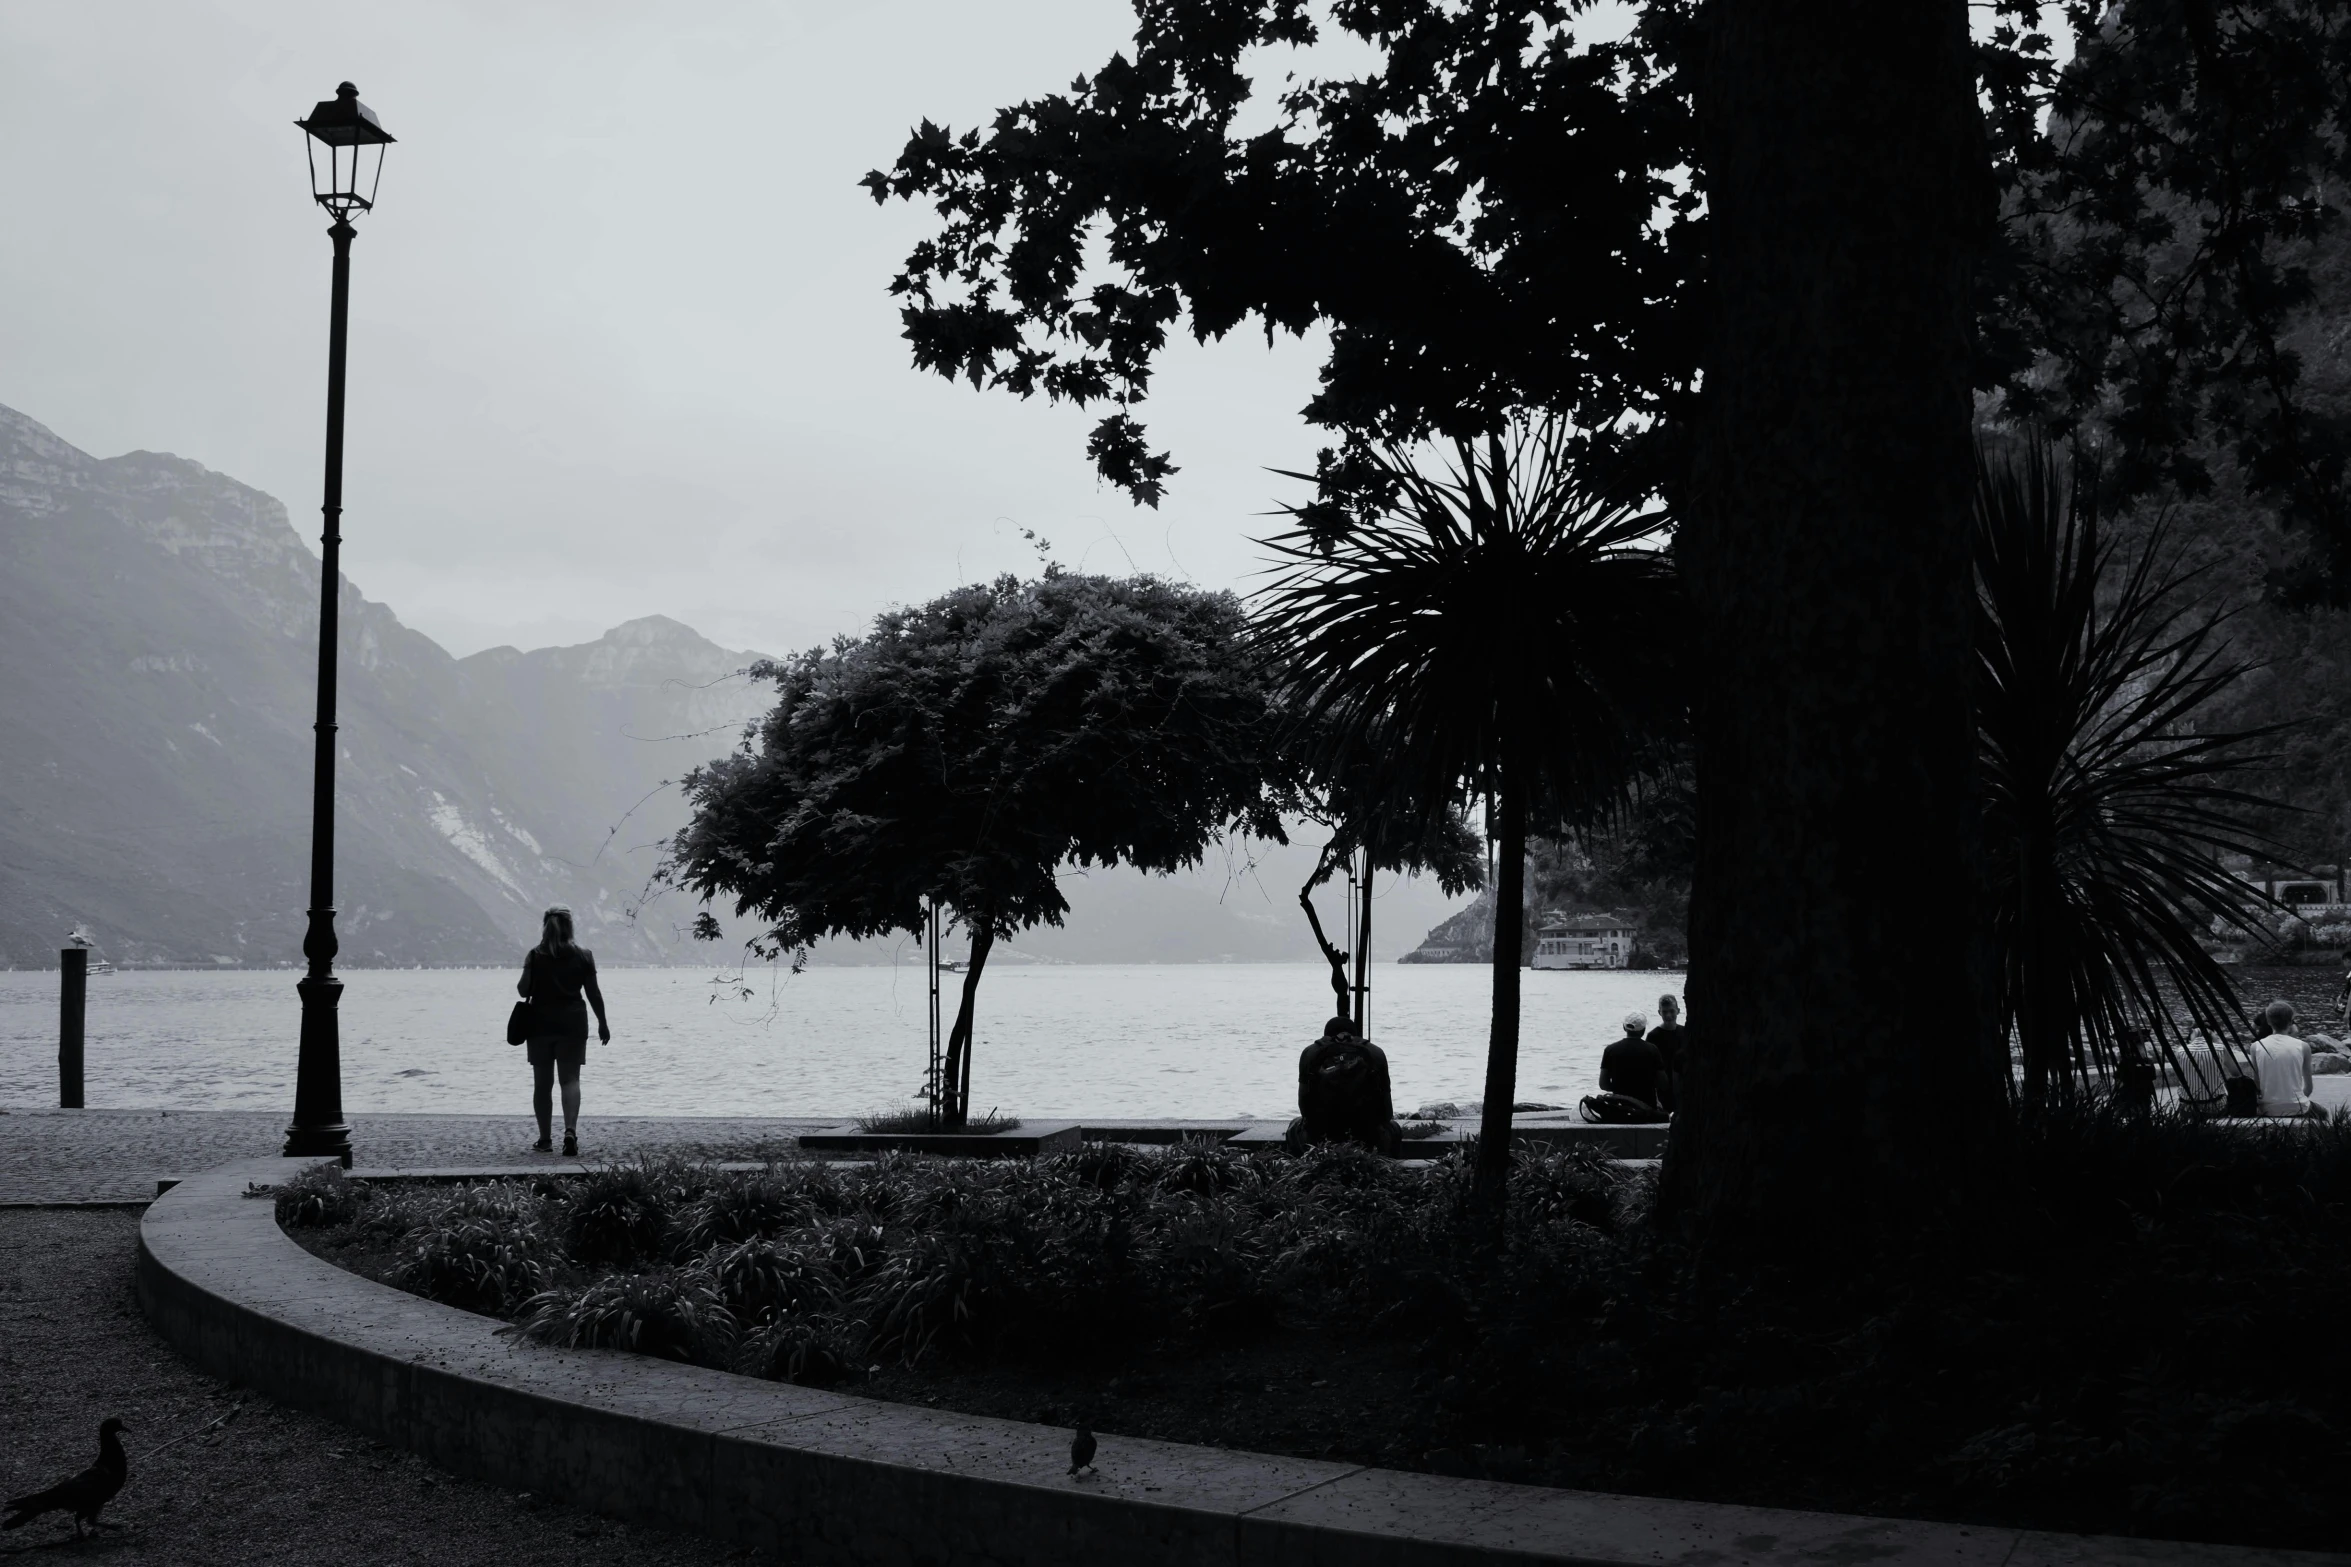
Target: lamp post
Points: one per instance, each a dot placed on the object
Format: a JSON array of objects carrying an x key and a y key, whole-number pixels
[{"x": 345, "y": 128}]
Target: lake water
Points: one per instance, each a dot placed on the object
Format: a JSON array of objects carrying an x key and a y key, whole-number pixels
[{"x": 1084, "y": 1040}]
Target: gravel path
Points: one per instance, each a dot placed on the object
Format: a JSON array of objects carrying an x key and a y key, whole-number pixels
[
  {"x": 270, "y": 1485},
  {"x": 115, "y": 1155}
]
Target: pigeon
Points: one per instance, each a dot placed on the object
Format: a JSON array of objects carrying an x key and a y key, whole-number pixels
[
  {"x": 85, "y": 1493},
  {"x": 1081, "y": 1450}
]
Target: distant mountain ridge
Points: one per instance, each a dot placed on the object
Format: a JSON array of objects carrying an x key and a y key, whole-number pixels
[
  {"x": 158, "y": 646},
  {"x": 158, "y": 654}
]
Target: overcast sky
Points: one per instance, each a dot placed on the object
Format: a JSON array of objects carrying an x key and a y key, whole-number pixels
[{"x": 621, "y": 340}]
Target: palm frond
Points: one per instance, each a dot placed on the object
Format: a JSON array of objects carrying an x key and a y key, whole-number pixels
[
  {"x": 1483, "y": 606},
  {"x": 2108, "y": 810}
]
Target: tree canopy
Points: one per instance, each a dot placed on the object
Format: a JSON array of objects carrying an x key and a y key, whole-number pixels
[
  {"x": 967, "y": 749},
  {"x": 1508, "y": 212},
  {"x": 1490, "y": 221}
]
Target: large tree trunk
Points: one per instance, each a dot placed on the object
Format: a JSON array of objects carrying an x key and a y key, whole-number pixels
[
  {"x": 1492, "y": 1180},
  {"x": 955, "y": 1094},
  {"x": 1845, "y": 1075}
]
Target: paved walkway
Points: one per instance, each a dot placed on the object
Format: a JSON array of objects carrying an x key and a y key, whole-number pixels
[
  {"x": 49, "y": 1156},
  {"x": 115, "y": 1155}
]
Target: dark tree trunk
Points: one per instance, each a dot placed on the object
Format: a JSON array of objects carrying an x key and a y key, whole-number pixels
[
  {"x": 1492, "y": 1180},
  {"x": 1330, "y": 954},
  {"x": 2035, "y": 1016},
  {"x": 955, "y": 1095},
  {"x": 1844, "y": 1071}
]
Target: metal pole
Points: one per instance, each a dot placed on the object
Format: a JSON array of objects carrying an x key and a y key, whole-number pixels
[
  {"x": 74, "y": 994},
  {"x": 318, "y": 1126},
  {"x": 1363, "y": 948},
  {"x": 932, "y": 1077}
]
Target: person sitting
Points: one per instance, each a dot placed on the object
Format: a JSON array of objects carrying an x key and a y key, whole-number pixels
[
  {"x": 1672, "y": 1046},
  {"x": 1631, "y": 1075},
  {"x": 2134, "y": 1073},
  {"x": 2281, "y": 1068},
  {"x": 2203, "y": 1070},
  {"x": 1343, "y": 1092}
]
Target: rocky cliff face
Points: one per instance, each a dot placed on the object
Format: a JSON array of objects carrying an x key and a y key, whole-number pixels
[{"x": 158, "y": 646}]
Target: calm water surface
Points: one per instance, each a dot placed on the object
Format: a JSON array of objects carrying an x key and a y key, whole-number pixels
[{"x": 1090, "y": 1040}]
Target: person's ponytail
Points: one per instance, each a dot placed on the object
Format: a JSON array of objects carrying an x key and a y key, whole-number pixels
[{"x": 555, "y": 934}]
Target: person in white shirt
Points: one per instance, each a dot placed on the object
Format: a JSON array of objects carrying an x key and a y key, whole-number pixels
[
  {"x": 2281, "y": 1066},
  {"x": 2204, "y": 1071}
]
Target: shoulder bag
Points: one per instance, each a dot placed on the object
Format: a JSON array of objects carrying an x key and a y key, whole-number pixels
[{"x": 518, "y": 1022}]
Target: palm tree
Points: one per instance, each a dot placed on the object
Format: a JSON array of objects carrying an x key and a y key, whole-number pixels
[
  {"x": 1487, "y": 628},
  {"x": 2106, "y": 808}
]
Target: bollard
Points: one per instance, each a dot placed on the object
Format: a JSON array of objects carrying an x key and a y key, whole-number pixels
[{"x": 76, "y": 990}]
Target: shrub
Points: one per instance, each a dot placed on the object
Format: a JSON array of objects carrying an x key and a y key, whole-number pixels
[
  {"x": 1203, "y": 1170},
  {"x": 674, "y": 1314},
  {"x": 1548, "y": 1186},
  {"x": 740, "y": 1205},
  {"x": 1216, "y": 1275},
  {"x": 481, "y": 1261},
  {"x": 812, "y": 1351},
  {"x": 321, "y": 1198},
  {"x": 928, "y": 1293},
  {"x": 618, "y": 1215},
  {"x": 760, "y": 1279},
  {"x": 1102, "y": 1165}
]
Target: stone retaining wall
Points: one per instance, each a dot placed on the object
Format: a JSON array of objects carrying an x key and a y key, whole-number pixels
[{"x": 830, "y": 1478}]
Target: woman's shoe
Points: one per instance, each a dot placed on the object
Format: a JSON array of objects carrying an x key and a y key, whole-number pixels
[
  {"x": 543, "y": 1145},
  {"x": 571, "y": 1146}
]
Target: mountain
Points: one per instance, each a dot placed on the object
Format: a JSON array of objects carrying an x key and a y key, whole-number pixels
[
  {"x": 158, "y": 667},
  {"x": 158, "y": 648}
]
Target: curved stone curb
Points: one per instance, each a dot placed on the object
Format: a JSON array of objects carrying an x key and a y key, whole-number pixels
[{"x": 825, "y": 1477}]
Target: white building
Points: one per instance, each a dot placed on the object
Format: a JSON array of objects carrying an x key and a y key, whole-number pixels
[{"x": 1584, "y": 941}]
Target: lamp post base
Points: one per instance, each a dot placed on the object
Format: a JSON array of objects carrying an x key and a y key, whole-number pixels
[
  {"x": 310, "y": 1142},
  {"x": 318, "y": 1126}
]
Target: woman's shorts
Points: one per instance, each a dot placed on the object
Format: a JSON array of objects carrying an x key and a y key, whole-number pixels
[{"x": 564, "y": 1054}]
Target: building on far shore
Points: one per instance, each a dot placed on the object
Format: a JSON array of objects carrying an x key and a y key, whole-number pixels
[
  {"x": 2313, "y": 892},
  {"x": 1584, "y": 941}
]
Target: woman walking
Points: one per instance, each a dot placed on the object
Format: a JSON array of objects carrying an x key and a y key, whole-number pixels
[{"x": 555, "y": 973}]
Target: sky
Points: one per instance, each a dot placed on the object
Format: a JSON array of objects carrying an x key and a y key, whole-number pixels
[{"x": 621, "y": 338}]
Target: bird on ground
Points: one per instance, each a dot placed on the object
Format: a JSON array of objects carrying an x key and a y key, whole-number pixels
[
  {"x": 85, "y": 1493},
  {"x": 1081, "y": 1450}
]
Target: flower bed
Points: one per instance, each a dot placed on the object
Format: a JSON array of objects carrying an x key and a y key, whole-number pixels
[{"x": 2151, "y": 1348}]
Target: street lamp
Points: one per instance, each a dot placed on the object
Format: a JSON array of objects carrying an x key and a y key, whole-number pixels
[{"x": 345, "y": 129}]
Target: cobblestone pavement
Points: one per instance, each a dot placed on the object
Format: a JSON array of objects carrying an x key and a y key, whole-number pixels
[
  {"x": 116, "y": 1155},
  {"x": 224, "y": 1478}
]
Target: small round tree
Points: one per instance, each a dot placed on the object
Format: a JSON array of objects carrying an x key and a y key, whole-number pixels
[{"x": 965, "y": 750}]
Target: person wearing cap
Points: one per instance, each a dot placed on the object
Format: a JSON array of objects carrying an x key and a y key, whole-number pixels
[
  {"x": 559, "y": 981},
  {"x": 1632, "y": 1067}
]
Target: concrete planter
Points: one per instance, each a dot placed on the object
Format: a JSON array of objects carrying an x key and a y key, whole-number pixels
[
  {"x": 830, "y": 1478},
  {"x": 1025, "y": 1141}
]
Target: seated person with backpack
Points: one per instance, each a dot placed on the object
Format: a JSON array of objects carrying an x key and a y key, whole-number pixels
[{"x": 1632, "y": 1079}]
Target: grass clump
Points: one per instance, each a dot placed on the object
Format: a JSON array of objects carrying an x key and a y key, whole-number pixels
[
  {"x": 321, "y": 1197},
  {"x": 924, "y": 1120},
  {"x": 674, "y": 1313},
  {"x": 620, "y": 1215}
]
